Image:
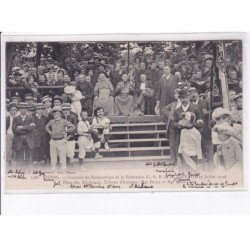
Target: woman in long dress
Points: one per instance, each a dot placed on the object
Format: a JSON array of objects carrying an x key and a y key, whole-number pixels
[
  {"x": 124, "y": 97},
  {"x": 104, "y": 92}
]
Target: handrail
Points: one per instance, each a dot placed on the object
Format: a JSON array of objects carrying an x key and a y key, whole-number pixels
[{"x": 38, "y": 87}]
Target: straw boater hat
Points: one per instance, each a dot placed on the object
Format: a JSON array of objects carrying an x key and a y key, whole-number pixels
[
  {"x": 57, "y": 108},
  {"x": 11, "y": 105},
  {"x": 24, "y": 105},
  {"x": 46, "y": 98},
  {"x": 66, "y": 106},
  {"x": 39, "y": 106},
  {"x": 69, "y": 90}
]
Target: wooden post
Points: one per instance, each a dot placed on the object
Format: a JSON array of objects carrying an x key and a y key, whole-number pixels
[{"x": 223, "y": 77}]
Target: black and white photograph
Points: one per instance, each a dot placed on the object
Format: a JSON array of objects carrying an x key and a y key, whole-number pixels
[{"x": 123, "y": 115}]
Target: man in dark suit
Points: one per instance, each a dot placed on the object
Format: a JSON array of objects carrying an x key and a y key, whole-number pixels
[
  {"x": 41, "y": 137},
  {"x": 206, "y": 138},
  {"x": 168, "y": 112},
  {"x": 152, "y": 75},
  {"x": 145, "y": 92},
  {"x": 166, "y": 87},
  {"x": 23, "y": 140},
  {"x": 71, "y": 137},
  {"x": 186, "y": 105}
]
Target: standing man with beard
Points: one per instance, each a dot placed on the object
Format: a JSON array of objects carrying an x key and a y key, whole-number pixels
[{"x": 166, "y": 87}]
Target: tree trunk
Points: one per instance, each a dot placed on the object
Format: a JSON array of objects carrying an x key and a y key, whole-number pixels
[
  {"x": 57, "y": 51},
  {"x": 39, "y": 53},
  {"x": 10, "y": 50}
]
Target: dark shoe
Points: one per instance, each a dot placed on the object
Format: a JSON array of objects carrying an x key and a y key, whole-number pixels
[{"x": 80, "y": 161}]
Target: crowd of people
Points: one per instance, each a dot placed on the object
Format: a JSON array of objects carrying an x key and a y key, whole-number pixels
[{"x": 50, "y": 113}]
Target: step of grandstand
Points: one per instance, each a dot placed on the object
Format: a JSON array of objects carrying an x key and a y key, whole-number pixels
[{"x": 134, "y": 138}]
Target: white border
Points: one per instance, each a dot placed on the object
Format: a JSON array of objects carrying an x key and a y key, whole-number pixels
[{"x": 129, "y": 37}]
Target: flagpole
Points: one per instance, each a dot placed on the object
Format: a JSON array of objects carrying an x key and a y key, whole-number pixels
[{"x": 223, "y": 77}]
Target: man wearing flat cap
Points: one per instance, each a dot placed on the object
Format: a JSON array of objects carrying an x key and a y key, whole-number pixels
[{"x": 23, "y": 140}]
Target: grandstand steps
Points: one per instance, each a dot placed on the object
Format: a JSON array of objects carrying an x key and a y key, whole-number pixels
[
  {"x": 138, "y": 158},
  {"x": 135, "y": 138}
]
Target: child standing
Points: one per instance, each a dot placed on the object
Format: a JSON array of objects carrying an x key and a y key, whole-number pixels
[
  {"x": 87, "y": 138},
  {"x": 190, "y": 141},
  {"x": 58, "y": 129},
  {"x": 229, "y": 152},
  {"x": 101, "y": 124}
]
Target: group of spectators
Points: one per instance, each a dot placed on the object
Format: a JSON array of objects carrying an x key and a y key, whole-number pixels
[{"x": 177, "y": 89}]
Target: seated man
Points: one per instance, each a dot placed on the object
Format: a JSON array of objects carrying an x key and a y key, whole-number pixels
[
  {"x": 145, "y": 92},
  {"x": 124, "y": 98}
]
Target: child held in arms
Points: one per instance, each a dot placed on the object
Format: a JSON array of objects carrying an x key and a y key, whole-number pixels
[
  {"x": 101, "y": 124},
  {"x": 190, "y": 141}
]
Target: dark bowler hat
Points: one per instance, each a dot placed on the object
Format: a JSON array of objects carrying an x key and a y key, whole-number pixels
[
  {"x": 23, "y": 105},
  {"x": 183, "y": 93},
  {"x": 28, "y": 96},
  {"x": 57, "y": 97}
]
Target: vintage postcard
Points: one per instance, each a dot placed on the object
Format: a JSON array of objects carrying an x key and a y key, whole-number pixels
[{"x": 108, "y": 113}]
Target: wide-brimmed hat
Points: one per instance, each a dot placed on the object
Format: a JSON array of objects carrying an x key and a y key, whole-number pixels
[
  {"x": 69, "y": 89},
  {"x": 218, "y": 112},
  {"x": 224, "y": 127}
]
